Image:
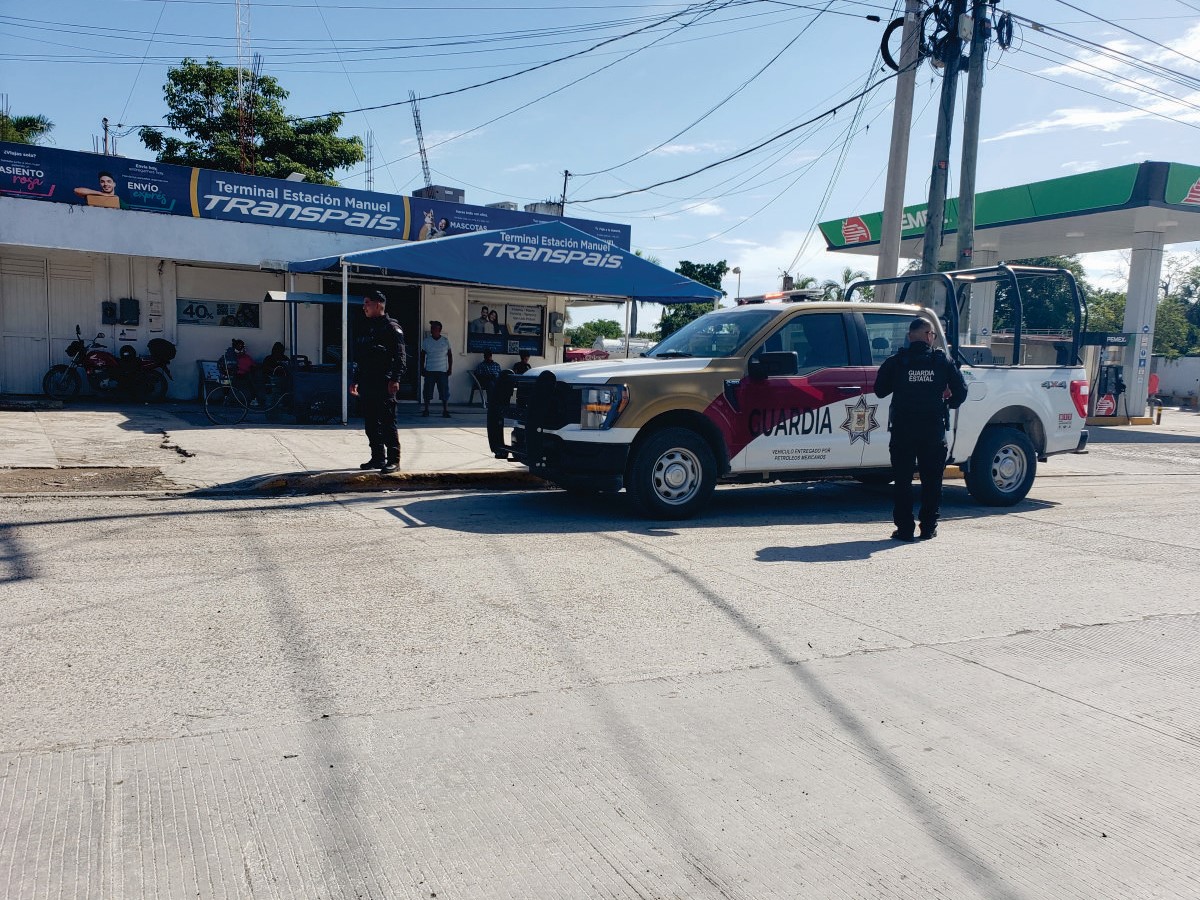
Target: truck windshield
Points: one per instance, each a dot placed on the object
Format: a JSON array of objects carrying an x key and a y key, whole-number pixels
[{"x": 716, "y": 334}]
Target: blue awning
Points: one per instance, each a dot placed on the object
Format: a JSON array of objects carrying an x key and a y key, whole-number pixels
[{"x": 550, "y": 257}]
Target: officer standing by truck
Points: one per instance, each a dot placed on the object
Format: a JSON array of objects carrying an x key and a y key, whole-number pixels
[
  {"x": 379, "y": 364},
  {"x": 918, "y": 377}
]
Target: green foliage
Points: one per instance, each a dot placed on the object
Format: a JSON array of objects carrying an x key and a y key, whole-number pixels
[
  {"x": 1174, "y": 336},
  {"x": 1046, "y": 302},
  {"x": 836, "y": 290},
  {"x": 24, "y": 129},
  {"x": 1106, "y": 310},
  {"x": 585, "y": 335},
  {"x": 203, "y": 103},
  {"x": 676, "y": 315}
]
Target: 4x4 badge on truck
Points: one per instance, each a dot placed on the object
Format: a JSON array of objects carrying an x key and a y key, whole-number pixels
[{"x": 860, "y": 420}]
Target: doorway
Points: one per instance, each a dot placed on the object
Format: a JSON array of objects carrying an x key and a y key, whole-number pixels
[{"x": 403, "y": 305}]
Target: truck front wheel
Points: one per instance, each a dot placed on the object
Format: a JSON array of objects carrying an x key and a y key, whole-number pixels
[
  {"x": 672, "y": 475},
  {"x": 1002, "y": 467}
]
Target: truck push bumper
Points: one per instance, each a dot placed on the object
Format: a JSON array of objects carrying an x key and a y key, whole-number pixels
[{"x": 1083, "y": 439}]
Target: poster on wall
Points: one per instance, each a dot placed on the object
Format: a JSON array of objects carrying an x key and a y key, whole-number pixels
[
  {"x": 505, "y": 328},
  {"x": 113, "y": 182},
  {"x": 217, "y": 312}
]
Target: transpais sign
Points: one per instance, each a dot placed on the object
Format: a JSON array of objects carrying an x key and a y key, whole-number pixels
[{"x": 88, "y": 179}]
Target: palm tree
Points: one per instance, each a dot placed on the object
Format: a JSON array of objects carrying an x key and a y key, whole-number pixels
[
  {"x": 24, "y": 129},
  {"x": 836, "y": 290}
]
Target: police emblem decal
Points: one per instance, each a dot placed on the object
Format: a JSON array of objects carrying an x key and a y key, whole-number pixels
[{"x": 860, "y": 420}]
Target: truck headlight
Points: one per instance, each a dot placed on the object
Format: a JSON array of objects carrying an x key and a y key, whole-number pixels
[{"x": 602, "y": 405}]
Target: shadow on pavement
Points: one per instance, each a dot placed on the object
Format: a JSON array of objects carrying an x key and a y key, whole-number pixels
[{"x": 547, "y": 512}]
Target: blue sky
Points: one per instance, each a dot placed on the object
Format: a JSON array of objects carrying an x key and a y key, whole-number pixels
[{"x": 654, "y": 91}]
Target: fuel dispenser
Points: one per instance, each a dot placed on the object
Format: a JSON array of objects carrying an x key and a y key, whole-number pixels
[
  {"x": 1110, "y": 385},
  {"x": 1104, "y": 355}
]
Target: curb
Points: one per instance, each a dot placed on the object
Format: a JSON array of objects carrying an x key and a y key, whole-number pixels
[{"x": 355, "y": 482}]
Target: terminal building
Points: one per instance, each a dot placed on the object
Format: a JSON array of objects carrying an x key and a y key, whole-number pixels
[{"x": 141, "y": 250}]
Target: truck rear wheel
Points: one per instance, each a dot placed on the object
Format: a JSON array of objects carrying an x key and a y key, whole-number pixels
[
  {"x": 1002, "y": 467},
  {"x": 672, "y": 474}
]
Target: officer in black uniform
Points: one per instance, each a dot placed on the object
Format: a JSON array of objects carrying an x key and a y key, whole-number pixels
[
  {"x": 379, "y": 364},
  {"x": 918, "y": 377}
]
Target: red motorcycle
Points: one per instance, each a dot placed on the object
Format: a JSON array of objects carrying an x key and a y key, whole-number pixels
[{"x": 139, "y": 378}]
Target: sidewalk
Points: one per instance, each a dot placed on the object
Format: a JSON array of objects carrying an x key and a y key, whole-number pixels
[
  {"x": 177, "y": 440},
  {"x": 192, "y": 454}
]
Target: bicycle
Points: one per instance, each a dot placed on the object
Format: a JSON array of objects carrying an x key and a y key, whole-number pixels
[{"x": 226, "y": 403}]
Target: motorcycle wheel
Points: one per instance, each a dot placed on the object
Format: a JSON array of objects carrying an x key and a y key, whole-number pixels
[
  {"x": 61, "y": 383},
  {"x": 154, "y": 388}
]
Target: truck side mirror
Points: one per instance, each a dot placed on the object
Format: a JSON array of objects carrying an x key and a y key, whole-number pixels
[{"x": 773, "y": 362}]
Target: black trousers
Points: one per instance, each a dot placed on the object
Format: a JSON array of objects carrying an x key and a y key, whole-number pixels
[
  {"x": 925, "y": 451},
  {"x": 378, "y": 409}
]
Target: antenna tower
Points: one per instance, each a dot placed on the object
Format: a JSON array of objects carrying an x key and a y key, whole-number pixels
[
  {"x": 370, "y": 154},
  {"x": 412, "y": 98},
  {"x": 245, "y": 115}
]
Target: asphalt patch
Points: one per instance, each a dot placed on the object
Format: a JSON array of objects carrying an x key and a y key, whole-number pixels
[{"x": 84, "y": 479}]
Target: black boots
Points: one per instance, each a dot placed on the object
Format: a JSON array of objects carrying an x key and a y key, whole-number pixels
[
  {"x": 393, "y": 462},
  {"x": 377, "y": 459}
]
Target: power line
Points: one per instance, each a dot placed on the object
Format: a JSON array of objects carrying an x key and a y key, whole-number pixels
[
  {"x": 719, "y": 104},
  {"x": 526, "y": 71},
  {"x": 1126, "y": 30},
  {"x": 728, "y": 159}
]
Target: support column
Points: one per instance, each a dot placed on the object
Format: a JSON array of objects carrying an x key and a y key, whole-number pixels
[
  {"x": 982, "y": 302},
  {"x": 1141, "y": 305}
]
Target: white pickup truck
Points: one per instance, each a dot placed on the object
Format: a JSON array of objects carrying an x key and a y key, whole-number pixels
[{"x": 782, "y": 392}]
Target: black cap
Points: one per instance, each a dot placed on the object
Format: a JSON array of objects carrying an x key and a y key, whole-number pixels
[{"x": 377, "y": 296}]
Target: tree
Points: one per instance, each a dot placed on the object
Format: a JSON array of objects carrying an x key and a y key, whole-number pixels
[
  {"x": 1106, "y": 310},
  {"x": 836, "y": 290},
  {"x": 204, "y": 105},
  {"x": 585, "y": 335},
  {"x": 24, "y": 129},
  {"x": 1045, "y": 302},
  {"x": 677, "y": 315}
]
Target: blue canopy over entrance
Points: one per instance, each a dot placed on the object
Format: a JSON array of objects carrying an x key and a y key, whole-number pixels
[{"x": 549, "y": 257}]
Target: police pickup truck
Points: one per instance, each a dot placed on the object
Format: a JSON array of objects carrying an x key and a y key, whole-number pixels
[{"x": 785, "y": 392}]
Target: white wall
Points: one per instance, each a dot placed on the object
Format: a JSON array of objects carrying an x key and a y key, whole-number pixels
[{"x": 1178, "y": 378}]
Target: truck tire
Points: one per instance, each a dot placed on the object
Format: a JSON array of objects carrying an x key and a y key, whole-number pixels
[
  {"x": 672, "y": 474},
  {"x": 1002, "y": 467}
]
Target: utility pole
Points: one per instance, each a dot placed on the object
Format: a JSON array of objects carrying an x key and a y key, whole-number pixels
[
  {"x": 104, "y": 122},
  {"x": 936, "y": 214},
  {"x": 970, "y": 151},
  {"x": 562, "y": 206},
  {"x": 893, "y": 192}
]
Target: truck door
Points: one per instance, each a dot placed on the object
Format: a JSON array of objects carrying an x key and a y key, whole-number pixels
[
  {"x": 885, "y": 334},
  {"x": 798, "y": 421}
]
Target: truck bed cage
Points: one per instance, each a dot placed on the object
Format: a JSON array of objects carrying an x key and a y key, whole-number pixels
[{"x": 957, "y": 283}]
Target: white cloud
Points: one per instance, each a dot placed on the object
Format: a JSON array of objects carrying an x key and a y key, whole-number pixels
[
  {"x": 1116, "y": 143},
  {"x": 1072, "y": 118},
  {"x": 1080, "y": 165},
  {"x": 522, "y": 167},
  {"x": 684, "y": 149},
  {"x": 706, "y": 208}
]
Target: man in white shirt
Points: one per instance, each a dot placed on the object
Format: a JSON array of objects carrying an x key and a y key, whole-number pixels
[{"x": 437, "y": 362}]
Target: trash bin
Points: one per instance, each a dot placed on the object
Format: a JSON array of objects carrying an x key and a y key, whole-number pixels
[{"x": 317, "y": 393}]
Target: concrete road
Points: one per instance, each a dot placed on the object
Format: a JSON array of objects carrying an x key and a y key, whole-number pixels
[{"x": 490, "y": 695}]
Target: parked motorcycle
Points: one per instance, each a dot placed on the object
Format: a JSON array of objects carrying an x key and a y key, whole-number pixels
[{"x": 139, "y": 378}]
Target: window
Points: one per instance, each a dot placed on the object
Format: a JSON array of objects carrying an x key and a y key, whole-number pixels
[
  {"x": 817, "y": 339},
  {"x": 886, "y": 333}
]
